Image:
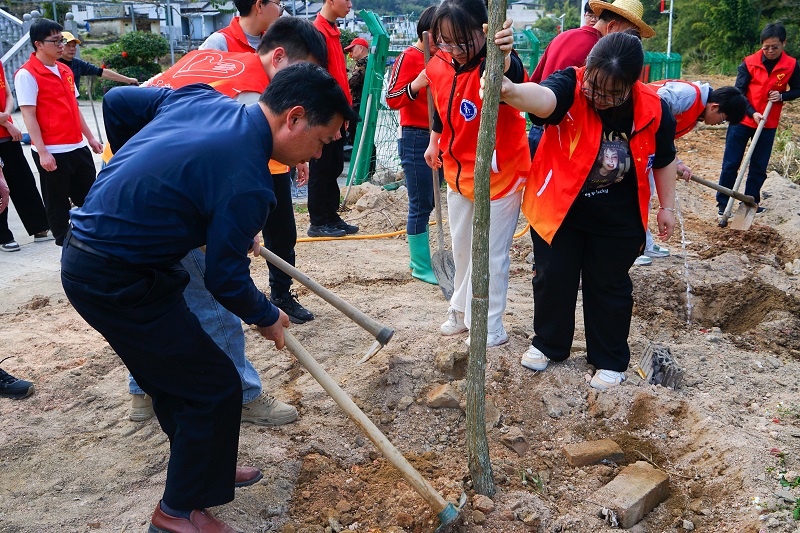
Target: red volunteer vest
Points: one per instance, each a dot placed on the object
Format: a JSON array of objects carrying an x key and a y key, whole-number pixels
[
  {"x": 337, "y": 67},
  {"x": 687, "y": 120},
  {"x": 459, "y": 106},
  {"x": 237, "y": 40},
  {"x": 567, "y": 152},
  {"x": 56, "y": 106},
  {"x": 762, "y": 83},
  {"x": 3, "y": 132}
]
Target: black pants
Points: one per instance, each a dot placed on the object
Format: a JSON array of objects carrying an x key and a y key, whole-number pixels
[
  {"x": 196, "y": 390},
  {"x": 280, "y": 233},
  {"x": 69, "y": 182},
  {"x": 607, "y": 294},
  {"x": 323, "y": 189},
  {"x": 24, "y": 193}
]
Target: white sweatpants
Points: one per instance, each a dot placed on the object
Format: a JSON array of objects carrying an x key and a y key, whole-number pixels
[{"x": 503, "y": 217}]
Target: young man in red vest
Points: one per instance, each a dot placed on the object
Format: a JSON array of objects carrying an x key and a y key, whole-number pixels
[
  {"x": 47, "y": 97},
  {"x": 769, "y": 75},
  {"x": 323, "y": 187},
  {"x": 244, "y": 32}
]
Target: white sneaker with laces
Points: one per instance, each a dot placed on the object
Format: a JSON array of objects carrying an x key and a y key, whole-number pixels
[
  {"x": 493, "y": 338},
  {"x": 656, "y": 251},
  {"x": 454, "y": 325},
  {"x": 534, "y": 359},
  {"x": 605, "y": 379},
  {"x": 643, "y": 260}
]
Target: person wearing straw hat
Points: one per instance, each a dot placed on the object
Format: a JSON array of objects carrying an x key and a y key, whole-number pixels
[
  {"x": 570, "y": 48},
  {"x": 80, "y": 67}
]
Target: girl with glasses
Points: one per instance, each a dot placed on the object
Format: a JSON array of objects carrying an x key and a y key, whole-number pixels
[
  {"x": 587, "y": 199},
  {"x": 454, "y": 76}
]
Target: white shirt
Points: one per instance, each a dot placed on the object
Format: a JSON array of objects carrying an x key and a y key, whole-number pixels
[{"x": 27, "y": 94}]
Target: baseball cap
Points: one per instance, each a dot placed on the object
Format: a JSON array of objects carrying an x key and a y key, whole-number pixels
[
  {"x": 69, "y": 37},
  {"x": 357, "y": 40}
]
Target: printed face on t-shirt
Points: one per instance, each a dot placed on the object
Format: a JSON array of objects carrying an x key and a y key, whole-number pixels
[{"x": 612, "y": 162}]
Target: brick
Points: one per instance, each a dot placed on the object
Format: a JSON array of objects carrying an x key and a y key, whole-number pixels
[
  {"x": 636, "y": 491},
  {"x": 587, "y": 453}
]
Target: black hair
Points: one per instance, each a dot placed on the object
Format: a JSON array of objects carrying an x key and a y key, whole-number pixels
[
  {"x": 42, "y": 29},
  {"x": 588, "y": 9},
  {"x": 298, "y": 37},
  {"x": 607, "y": 16},
  {"x": 425, "y": 20},
  {"x": 244, "y": 6},
  {"x": 310, "y": 86},
  {"x": 732, "y": 103},
  {"x": 465, "y": 17},
  {"x": 615, "y": 62},
  {"x": 774, "y": 29}
]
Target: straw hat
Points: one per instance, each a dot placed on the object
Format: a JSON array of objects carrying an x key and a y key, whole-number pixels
[{"x": 631, "y": 10}]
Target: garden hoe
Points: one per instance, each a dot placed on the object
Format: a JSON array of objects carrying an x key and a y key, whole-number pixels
[
  {"x": 442, "y": 260},
  {"x": 446, "y": 511},
  {"x": 740, "y": 221},
  {"x": 382, "y": 334},
  {"x": 742, "y": 213}
]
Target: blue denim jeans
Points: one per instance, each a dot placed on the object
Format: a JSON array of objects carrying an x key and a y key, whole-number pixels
[
  {"x": 534, "y": 136},
  {"x": 411, "y": 147},
  {"x": 222, "y": 326},
  {"x": 735, "y": 145}
]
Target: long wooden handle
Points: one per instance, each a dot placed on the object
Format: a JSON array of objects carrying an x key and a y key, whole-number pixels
[
  {"x": 437, "y": 200},
  {"x": 409, "y": 473},
  {"x": 749, "y": 200},
  {"x": 382, "y": 334}
]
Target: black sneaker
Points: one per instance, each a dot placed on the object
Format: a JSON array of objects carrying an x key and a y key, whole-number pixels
[
  {"x": 349, "y": 229},
  {"x": 760, "y": 209},
  {"x": 288, "y": 304},
  {"x": 11, "y": 387},
  {"x": 328, "y": 230}
]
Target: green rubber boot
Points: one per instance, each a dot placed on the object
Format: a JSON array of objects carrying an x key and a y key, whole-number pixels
[{"x": 420, "y": 252}]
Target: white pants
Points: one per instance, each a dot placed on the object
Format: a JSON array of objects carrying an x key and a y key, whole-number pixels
[{"x": 503, "y": 217}]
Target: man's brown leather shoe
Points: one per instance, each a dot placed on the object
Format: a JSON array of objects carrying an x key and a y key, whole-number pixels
[
  {"x": 200, "y": 521},
  {"x": 247, "y": 475}
]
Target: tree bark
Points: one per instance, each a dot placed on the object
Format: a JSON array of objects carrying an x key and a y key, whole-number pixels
[{"x": 480, "y": 466}]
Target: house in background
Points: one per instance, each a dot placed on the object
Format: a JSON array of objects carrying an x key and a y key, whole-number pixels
[{"x": 525, "y": 13}]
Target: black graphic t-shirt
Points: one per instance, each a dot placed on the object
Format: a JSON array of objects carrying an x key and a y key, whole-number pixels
[{"x": 608, "y": 203}]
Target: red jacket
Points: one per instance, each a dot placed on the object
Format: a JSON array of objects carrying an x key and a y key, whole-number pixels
[
  {"x": 687, "y": 120},
  {"x": 56, "y": 105},
  {"x": 237, "y": 40},
  {"x": 413, "y": 109},
  {"x": 336, "y": 63},
  {"x": 762, "y": 83},
  {"x": 3, "y": 132},
  {"x": 458, "y": 103},
  {"x": 567, "y": 152}
]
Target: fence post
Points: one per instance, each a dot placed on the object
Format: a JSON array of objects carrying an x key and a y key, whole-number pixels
[{"x": 535, "y": 45}]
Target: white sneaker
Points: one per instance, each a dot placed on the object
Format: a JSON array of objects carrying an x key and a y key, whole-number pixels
[
  {"x": 656, "y": 251},
  {"x": 455, "y": 323},
  {"x": 605, "y": 379},
  {"x": 534, "y": 359},
  {"x": 10, "y": 246},
  {"x": 493, "y": 338},
  {"x": 643, "y": 260}
]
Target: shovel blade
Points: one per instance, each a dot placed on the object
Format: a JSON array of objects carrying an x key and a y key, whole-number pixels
[
  {"x": 445, "y": 271},
  {"x": 744, "y": 217}
]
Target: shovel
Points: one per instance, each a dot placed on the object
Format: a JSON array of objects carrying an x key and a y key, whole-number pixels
[
  {"x": 742, "y": 213},
  {"x": 382, "y": 334},
  {"x": 91, "y": 102},
  {"x": 444, "y": 268},
  {"x": 749, "y": 204},
  {"x": 446, "y": 511}
]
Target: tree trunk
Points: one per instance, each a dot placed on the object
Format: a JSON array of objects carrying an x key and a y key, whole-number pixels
[{"x": 480, "y": 466}]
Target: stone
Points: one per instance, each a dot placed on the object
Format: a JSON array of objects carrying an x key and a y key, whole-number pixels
[
  {"x": 444, "y": 362},
  {"x": 404, "y": 519},
  {"x": 478, "y": 517},
  {"x": 688, "y": 525},
  {"x": 443, "y": 396},
  {"x": 577, "y": 347},
  {"x": 773, "y": 362},
  {"x": 404, "y": 403},
  {"x": 555, "y": 406},
  {"x": 515, "y": 440},
  {"x": 590, "y": 452},
  {"x": 636, "y": 491},
  {"x": 483, "y": 503}
]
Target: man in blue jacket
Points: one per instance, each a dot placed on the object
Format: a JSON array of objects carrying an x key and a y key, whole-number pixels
[{"x": 121, "y": 270}]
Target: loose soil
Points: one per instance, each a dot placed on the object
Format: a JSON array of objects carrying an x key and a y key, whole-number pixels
[{"x": 70, "y": 460}]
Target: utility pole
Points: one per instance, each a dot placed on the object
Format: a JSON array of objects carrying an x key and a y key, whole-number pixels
[
  {"x": 168, "y": 20},
  {"x": 669, "y": 32}
]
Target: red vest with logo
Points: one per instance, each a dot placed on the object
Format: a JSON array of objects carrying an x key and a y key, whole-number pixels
[
  {"x": 762, "y": 83},
  {"x": 687, "y": 120},
  {"x": 3, "y": 132},
  {"x": 568, "y": 150},
  {"x": 237, "y": 40},
  {"x": 56, "y": 106},
  {"x": 459, "y": 106},
  {"x": 337, "y": 67}
]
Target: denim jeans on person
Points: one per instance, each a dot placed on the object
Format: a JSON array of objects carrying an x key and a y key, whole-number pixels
[
  {"x": 534, "y": 136},
  {"x": 735, "y": 146},
  {"x": 222, "y": 326},
  {"x": 411, "y": 147}
]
